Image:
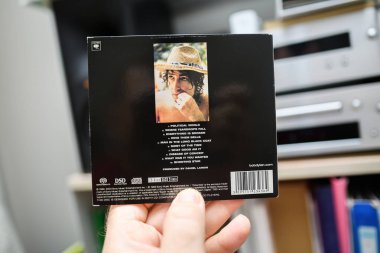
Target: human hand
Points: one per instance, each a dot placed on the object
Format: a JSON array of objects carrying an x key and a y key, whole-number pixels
[
  {"x": 188, "y": 107},
  {"x": 188, "y": 225}
]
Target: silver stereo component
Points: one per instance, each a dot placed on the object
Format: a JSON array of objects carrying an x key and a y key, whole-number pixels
[
  {"x": 327, "y": 74},
  {"x": 343, "y": 119},
  {"x": 289, "y": 8},
  {"x": 336, "y": 49}
]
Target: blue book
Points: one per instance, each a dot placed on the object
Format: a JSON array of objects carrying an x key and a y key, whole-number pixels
[
  {"x": 365, "y": 227},
  {"x": 323, "y": 198}
]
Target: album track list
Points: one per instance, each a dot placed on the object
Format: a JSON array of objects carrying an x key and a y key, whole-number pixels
[{"x": 185, "y": 146}]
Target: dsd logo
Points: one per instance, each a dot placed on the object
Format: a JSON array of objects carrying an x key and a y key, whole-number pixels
[{"x": 120, "y": 181}]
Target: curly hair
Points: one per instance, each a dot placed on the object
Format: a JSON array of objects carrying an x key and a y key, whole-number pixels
[{"x": 196, "y": 80}]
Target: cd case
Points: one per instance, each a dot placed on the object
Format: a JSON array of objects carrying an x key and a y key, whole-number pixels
[{"x": 182, "y": 111}]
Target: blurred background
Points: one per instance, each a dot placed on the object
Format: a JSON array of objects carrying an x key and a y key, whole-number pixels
[{"x": 327, "y": 71}]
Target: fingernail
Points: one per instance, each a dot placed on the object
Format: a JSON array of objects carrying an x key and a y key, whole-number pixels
[{"x": 188, "y": 195}]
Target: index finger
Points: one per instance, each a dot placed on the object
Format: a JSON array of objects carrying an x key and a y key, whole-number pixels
[
  {"x": 127, "y": 231},
  {"x": 217, "y": 213},
  {"x": 118, "y": 213}
]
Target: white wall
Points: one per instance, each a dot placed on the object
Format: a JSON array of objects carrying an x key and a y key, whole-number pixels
[
  {"x": 37, "y": 141},
  {"x": 9, "y": 239}
]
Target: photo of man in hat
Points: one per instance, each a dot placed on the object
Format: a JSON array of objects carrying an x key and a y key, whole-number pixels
[{"x": 181, "y": 86}]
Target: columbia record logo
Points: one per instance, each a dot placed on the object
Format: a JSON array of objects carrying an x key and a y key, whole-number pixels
[{"x": 96, "y": 46}]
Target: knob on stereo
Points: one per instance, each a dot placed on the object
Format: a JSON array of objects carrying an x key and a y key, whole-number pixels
[
  {"x": 356, "y": 103},
  {"x": 372, "y": 32}
]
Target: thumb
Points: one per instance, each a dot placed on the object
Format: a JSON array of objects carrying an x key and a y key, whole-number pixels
[{"x": 184, "y": 225}]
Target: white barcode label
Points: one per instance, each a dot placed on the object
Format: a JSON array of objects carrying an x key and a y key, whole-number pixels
[{"x": 251, "y": 182}]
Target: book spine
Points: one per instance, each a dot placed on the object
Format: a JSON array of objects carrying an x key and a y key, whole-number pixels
[
  {"x": 339, "y": 194},
  {"x": 324, "y": 203},
  {"x": 365, "y": 227}
]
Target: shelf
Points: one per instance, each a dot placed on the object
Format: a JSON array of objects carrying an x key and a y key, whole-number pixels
[
  {"x": 290, "y": 169},
  {"x": 80, "y": 182},
  {"x": 329, "y": 166}
]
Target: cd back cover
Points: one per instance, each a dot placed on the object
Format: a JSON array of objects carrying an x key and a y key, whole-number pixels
[{"x": 180, "y": 111}]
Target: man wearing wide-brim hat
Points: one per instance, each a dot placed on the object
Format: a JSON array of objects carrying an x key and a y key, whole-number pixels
[{"x": 185, "y": 100}]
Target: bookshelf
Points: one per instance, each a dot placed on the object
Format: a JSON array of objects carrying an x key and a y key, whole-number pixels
[{"x": 289, "y": 169}]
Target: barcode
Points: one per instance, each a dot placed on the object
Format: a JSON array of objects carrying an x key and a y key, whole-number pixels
[{"x": 251, "y": 182}]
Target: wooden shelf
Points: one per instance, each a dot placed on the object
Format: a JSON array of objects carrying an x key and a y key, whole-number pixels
[
  {"x": 291, "y": 169},
  {"x": 80, "y": 182},
  {"x": 329, "y": 166}
]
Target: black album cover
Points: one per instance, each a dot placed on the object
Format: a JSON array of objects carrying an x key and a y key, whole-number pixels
[{"x": 180, "y": 111}]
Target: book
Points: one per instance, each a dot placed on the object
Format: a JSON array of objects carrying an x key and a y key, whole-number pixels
[
  {"x": 339, "y": 196},
  {"x": 291, "y": 218},
  {"x": 365, "y": 226},
  {"x": 323, "y": 197},
  {"x": 182, "y": 111}
]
